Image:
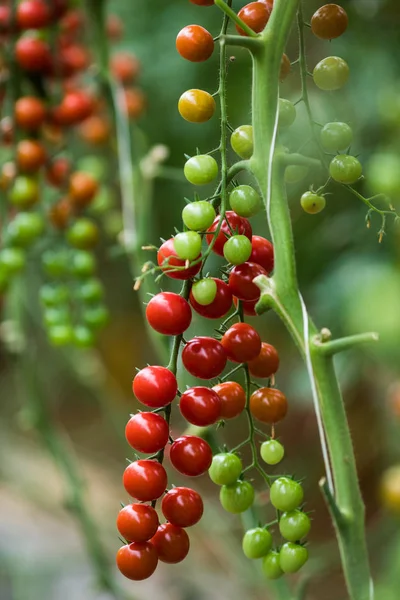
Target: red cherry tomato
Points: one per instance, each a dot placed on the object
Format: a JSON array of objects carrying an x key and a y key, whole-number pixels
[
  {"x": 249, "y": 306},
  {"x": 268, "y": 405},
  {"x": 30, "y": 112},
  {"x": 171, "y": 542},
  {"x": 72, "y": 59},
  {"x": 221, "y": 304},
  {"x": 255, "y": 15},
  {"x": 204, "y": 357},
  {"x": 137, "y": 522},
  {"x": 155, "y": 386},
  {"x": 200, "y": 406},
  {"x": 147, "y": 432},
  {"x": 195, "y": 43},
  {"x": 262, "y": 253},
  {"x": 114, "y": 28},
  {"x": 241, "y": 342},
  {"x": 33, "y": 14},
  {"x": 137, "y": 561},
  {"x": 167, "y": 258},
  {"x": 125, "y": 67},
  {"x": 33, "y": 54},
  {"x": 241, "y": 281},
  {"x": 266, "y": 363},
  {"x": 233, "y": 398},
  {"x": 237, "y": 225},
  {"x": 169, "y": 313},
  {"x": 58, "y": 171},
  {"x": 30, "y": 155},
  {"x": 75, "y": 107},
  {"x": 5, "y": 19},
  {"x": 190, "y": 455},
  {"x": 145, "y": 480},
  {"x": 182, "y": 507}
]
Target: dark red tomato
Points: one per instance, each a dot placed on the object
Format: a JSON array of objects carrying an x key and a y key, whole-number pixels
[
  {"x": 268, "y": 405},
  {"x": 5, "y": 19},
  {"x": 200, "y": 406},
  {"x": 33, "y": 54},
  {"x": 72, "y": 59},
  {"x": 195, "y": 43},
  {"x": 59, "y": 7},
  {"x": 58, "y": 171},
  {"x": 190, "y": 455},
  {"x": 145, "y": 480},
  {"x": 204, "y": 357},
  {"x": 75, "y": 107},
  {"x": 137, "y": 561},
  {"x": 221, "y": 304},
  {"x": 169, "y": 313},
  {"x": 166, "y": 257},
  {"x": 147, "y": 432},
  {"x": 30, "y": 155},
  {"x": 203, "y": 2},
  {"x": 30, "y": 112},
  {"x": 137, "y": 522},
  {"x": 233, "y": 398},
  {"x": 241, "y": 281},
  {"x": 241, "y": 342},
  {"x": 155, "y": 386},
  {"x": 255, "y": 15},
  {"x": 237, "y": 225},
  {"x": 249, "y": 306},
  {"x": 262, "y": 253},
  {"x": 182, "y": 507},
  {"x": 171, "y": 543},
  {"x": 72, "y": 22},
  {"x": 33, "y": 14},
  {"x": 266, "y": 363}
]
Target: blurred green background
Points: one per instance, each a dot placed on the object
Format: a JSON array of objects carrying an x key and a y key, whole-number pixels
[{"x": 350, "y": 282}]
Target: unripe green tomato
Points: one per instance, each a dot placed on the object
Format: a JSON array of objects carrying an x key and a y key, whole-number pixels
[
  {"x": 287, "y": 113},
  {"x": 237, "y": 249},
  {"x": 55, "y": 263},
  {"x": 96, "y": 316},
  {"x": 24, "y": 192},
  {"x": 292, "y": 557},
  {"x": 201, "y": 169},
  {"x": 60, "y": 335},
  {"x": 294, "y": 525},
  {"x": 12, "y": 260},
  {"x": 295, "y": 173},
  {"x": 331, "y": 73},
  {"x": 56, "y": 315},
  {"x": 345, "y": 169},
  {"x": 245, "y": 201},
  {"x": 83, "y": 263},
  {"x": 257, "y": 542},
  {"x": 198, "y": 216},
  {"x": 336, "y": 137},
  {"x": 113, "y": 224},
  {"x": 242, "y": 141},
  {"x": 83, "y": 337},
  {"x": 187, "y": 245},
  {"x": 272, "y": 452},
  {"x": 25, "y": 228},
  {"x": 271, "y": 565},
  {"x": 225, "y": 468},
  {"x": 90, "y": 290},
  {"x": 286, "y": 494},
  {"x": 103, "y": 201},
  {"x": 312, "y": 203},
  {"x": 238, "y": 497},
  {"x": 54, "y": 294},
  {"x": 204, "y": 291},
  {"x": 83, "y": 234},
  {"x": 93, "y": 165}
]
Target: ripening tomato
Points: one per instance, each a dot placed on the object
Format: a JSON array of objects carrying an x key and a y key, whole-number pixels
[
  {"x": 33, "y": 14},
  {"x": 168, "y": 313},
  {"x": 167, "y": 258},
  {"x": 232, "y": 397},
  {"x": 329, "y": 21},
  {"x": 266, "y": 363},
  {"x": 5, "y": 19},
  {"x": 200, "y": 406},
  {"x": 221, "y": 304},
  {"x": 196, "y": 106},
  {"x": 285, "y": 67},
  {"x": 30, "y": 112},
  {"x": 204, "y": 357},
  {"x": 182, "y": 507},
  {"x": 190, "y": 455},
  {"x": 57, "y": 171},
  {"x": 114, "y": 28},
  {"x": 268, "y": 405},
  {"x": 125, "y": 67},
  {"x": 30, "y": 155},
  {"x": 71, "y": 59},
  {"x": 145, "y": 480},
  {"x": 331, "y": 73},
  {"x": 72, "y": 22},
  {"x": 95, "y": 130},
  {"x": 75, "y": 107},
  {"x": 133, "y": 102},
  {"x": 83, "y": 188},
  {"x": 137, "y": 561},
  {"x": 60, "y": 213},
  {"x": 255, "y": 15},
  {"x": 195, "y": 43},
  {"x": 147, "y": 432},
  {"x": 83, "y": 234},
  {"x": 232, "y": 224},
  {"x": 171, "y": 543},
  {"x": 137, "y": 522},
  {"x": 33, "y": 54},
  {"x": 155, "y": 386},
  {"x": 241, "y": 280},
  {"x": 241, "y": 343},
  {"x": 262, "y": 253}
]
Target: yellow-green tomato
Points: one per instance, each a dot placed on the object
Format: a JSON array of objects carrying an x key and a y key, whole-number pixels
[
  {"x": 187, "y": 245},
  {"x": 390, "y": 489},
  {"x": 242, "y": 141},
  {"x": 331, "y": 73},
  {"x": 345, "y": 169},
  {"x": 196, "y": 106},
  {"x": 272, "y": 452},
  {"x": 312, "y": 203},
  {"x": 204, "y": 291},
  {"x": 257, "y": 542},
  {"x": 201, "y": 169},
  {"x": 237, "y": 249},
  {"x": 245, "y": 201},
  {"x": 336, "y": 136},
  {"x": 287, "y": 113}
]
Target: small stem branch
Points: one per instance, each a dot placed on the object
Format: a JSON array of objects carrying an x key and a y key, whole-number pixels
[
  {"x": 330, "y": 348},
  {"x": 300, "y": 159},
  {"x": 250, "y": 43}
]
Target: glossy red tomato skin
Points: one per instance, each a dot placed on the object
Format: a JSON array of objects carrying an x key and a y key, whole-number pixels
[
  {"x": 33, "y": 14},
  {"x": 241, "y": 342},
  {"x": 147, "y": 432},
  {"x": 190, "y": 455},
  {"x": 195, "y": 43},
  {"x": 241, "y": 281},
  {"x": 239, "y": 225},
  {"x": 249, "y": 306},
  {"x": 266, "y": 363},
  {"x": 166, "y": 256},
  {"x": 221, "y": 304},
  {"x": 137, "y": 561},
  {"x": 255, "y": 15},
  {"x": 30, "y": 112},
  {"x": 137, "y": 522},
  {"x": 233, "y": 398},
  {"x": 155, "y": 386},
  {"x": 200, "y": 406},
  {"x": 33, "y": 54},
  {"x": 182, "y": 507},
  {"x": 145, "y": 480},
  {"x": 171, "y": 543},
  {"x": 268, "y": 405},
  {"x": 204, "y": 357},
  {"x": 169, "y": 313},
  {"x": 262, "y": 253},
  {"x": 75, "y": 107}
]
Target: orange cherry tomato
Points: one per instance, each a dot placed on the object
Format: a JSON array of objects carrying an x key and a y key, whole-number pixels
[
  {"x": 233, "y": 398},
  {"x": 195, "y": 43},
  {"x": 125, "y": 67},
  {"x": 95, "y": 130},
  {"x": 30, "y": 155},
  {"x": 30, "y": 112},
  {"x": 329, "y": 22},
  {"x": 255, "y": 15},
  {"x": 196, "y": 106},
  {"x": 82, "y": 189},
  {"x": 266, "y": 363},
  {"x": 60, "y": 213},
  {"x": 285, "y": 67},
  {"x": 135, "y": 102},
  {"x": 114, "y": 28},
  {"x": 268, "y": 405}
]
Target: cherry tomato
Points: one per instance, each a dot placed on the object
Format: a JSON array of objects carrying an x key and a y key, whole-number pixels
[
  {"x": 196, "y": 106},
  {"x": 30, "y": 112},
  {"x": 266, "y": 363},
  {"x": 25, "y": 228},
  {"x": 225, "y": 469},
  {"x": 200, "y": 406},
  {"x": 57, "y": 172},
  {"x": 195, "y": 43},
  {"x": 294, "y": 525},
  {"x": 245, "y": 201},
  {"x": 233, "y": 398},
  {"x": 83, "y": 263},
  {"x": 204, "y": 291},
  {"x": 262, "y": 253},
  {"x": 331, "y": 73},
  {"x": 182, "y": 507},
  {"x": 198, "y": 215},
  {"x": 167, "y": 258},
  {"x": 329, "y": 21},
  {"x": 168, "y": 313},
  {"x": 12, "y": 260},
  {"x": 145, "y": 480},
  {"x": 272, "y": 452},
  {"x": 249, "y": 306},
  {"x": 147, "y": 432},
  {"x": 33, "y": 54},
  {"x": 271, "y": 565},
  {"x": 30, "y": 156},
  {"x": 190, "y": 455},
  {"x": 5, "y": 19},
  {"x": 285, "y": 67},
  {"x": 91, "y": 290},
  {"x": 241, "y": 343},
  {"x": 125, "y": 67},
  {"x": 83, "y": 234},
  {"x": 257, "y": 542},
  {"x": 231, "y": 223},
  {"x": 287, "y": 113},
  {"x": 390, "y": 489},
  {"x": 137, "y": 522},
  {"x": 201, "y": 169},
  {"x": 336, "y": 136},
  {"x": 155, "y": 386},
  {"x": 238, "y": 497},
  {"x": 255, "y": 15},
  {"x": 242, "y": 139},
  {"x": 137, "y": 561},
  {"x": 95, "y": 130},
  {"x": 292, "y": 557},
  {"x": 312, "y": 203},
  {"x": 345, "y": 169},
  {"x": 241, "y": 280},
  {"x": 82, "y": 189},
  {"x": 237, "y": 249},
  {"x": 204, "y": 357},
  {"x": 268, "y": 405},
  {"x": 60, "y": 213},
  {"x": 24, "y": 192},
  {"x": 114, "y": 28},
  {"x": 187, "y": 245},
  {"x": 134, "y": 102},
  {"x": 171, "y": 543},
  {"x": 221, "y": 304},
  {"x": 75, "y": 107},
  {"x": 286, "y": 494}
]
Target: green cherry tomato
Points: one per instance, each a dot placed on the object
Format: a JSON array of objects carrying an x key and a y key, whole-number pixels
[
  {"x": 271, "y": 565},
  {"x": 345, "y": 169},
  {"x": 83, "y": 234},
  {"x": 96, "y": 316},
  {"x": 198, "y": 216},
  {"x": 287, "y": 113},
  {"x": 25, "y": 228},
  {"x": 53, "y": 294},
  {"x": 336, "y": 137},
  {"x": 187, "y": 245},
  {"x": 242, "y": 141},
  {"x": 225, "y": 468},
  {"x": 93, "y": 165},
  {"x": 60, "y": 335},
  {"x": 201, "y": 169},
  {"x": 312, "y": 203},
  {"x": 56, "y": 315},
  {"x": 237, "y": 249},
  {"x": 245, "y": 201},
  {"x": 204, "y": 291},
  {"x": 272, "y": 452},
  {"x": 103, "y": 201},
  {"x": 331, "y": 73},
  {"x": 292, "y": 557},
  {"x": 83, "y": 336},
  {"x": 257, "y": 542},
  {"x": 24, "y": 192},
  {"x": 83, "y": 263},
  {"x": 286, "y": 494},
  {"x": 238, "y": 497},
  {"x": 295, "y": 173},
  {"x": 12, "y": 260},
  {"x": 294, "y": 525},
  {"x": 90, "y": 291},
  {"x": 55, "y": 262}
]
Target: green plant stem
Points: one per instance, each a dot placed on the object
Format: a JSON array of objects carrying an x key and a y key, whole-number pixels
[
  {"x": 330, "y": 348},
  {"x": 232, "y": 15}
]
